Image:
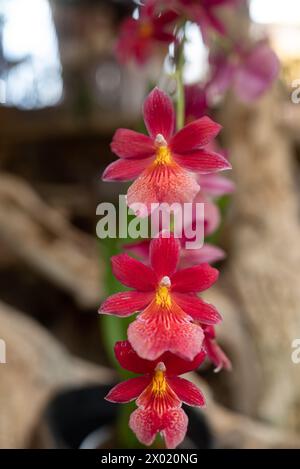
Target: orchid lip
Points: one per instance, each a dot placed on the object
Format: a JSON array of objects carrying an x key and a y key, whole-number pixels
[{"x": 165, "y": 282}]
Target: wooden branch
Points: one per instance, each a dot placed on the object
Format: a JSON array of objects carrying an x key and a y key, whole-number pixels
[
  {"x": 264, "y": 261},
  {"x": 42, "y": 238},
  {"x": 236, "y": 431}
]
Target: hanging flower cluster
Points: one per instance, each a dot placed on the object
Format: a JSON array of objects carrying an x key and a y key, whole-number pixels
[{"x": 173, "y": 329}]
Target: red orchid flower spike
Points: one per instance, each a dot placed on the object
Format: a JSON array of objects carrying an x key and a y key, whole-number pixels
[
  {"x": 159, "y": 394},
  {"x": 167, "y": 300},
  {"x": 163, "y": 162},
  {"x": 138, "y": 37}
]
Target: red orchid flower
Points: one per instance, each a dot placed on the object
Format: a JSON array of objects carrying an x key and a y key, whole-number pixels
[
  {"x": 214, "y": 351},
  {"x": 159, "y": 394},
  {"x": 163, "y": 162},
  {"x": 167, "y": 298},
  {"x": 138, "y": 37}
]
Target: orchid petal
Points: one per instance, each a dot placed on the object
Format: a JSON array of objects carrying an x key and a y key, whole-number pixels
[
  {"x": 159, "y": 114},
  {"x": 133, "y": 273},
  {"x": 126, "y": 303}
]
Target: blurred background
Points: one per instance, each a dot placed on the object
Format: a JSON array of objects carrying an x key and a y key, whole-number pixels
[{"x": 62, "y": 96}]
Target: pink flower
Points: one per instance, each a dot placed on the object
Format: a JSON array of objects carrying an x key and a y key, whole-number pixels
[
  {"x": 212, "y": 186},
  {"x": 250, "y": 72},
  {"x": 205, "y": 13},
  {"x": 163, "y": 162},
  {"x": 167, "y": 300},
  {"x": 138, "y": 38},
  {"x": 208, "y": 253},
  {"x": 214, "y": 351},
  {"x": 159, "y": 394}
]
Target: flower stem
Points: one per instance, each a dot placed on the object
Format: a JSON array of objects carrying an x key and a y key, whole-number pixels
[{"x": 180, "y": 106}]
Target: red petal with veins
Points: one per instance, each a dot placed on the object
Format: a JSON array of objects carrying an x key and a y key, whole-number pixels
[
  {"x": 125, "y": 170},
  {"x": 126, "y": 303},
  {"x": 198, "y": 309},
  {"x": 187, "y": 391},
  {"x": 178, "y": 366},
  {"x": 129, "y": 359},
  {"x": 133, "y": 273},
  {"x": 194, "y": 135},
  {"x": 128, "y": 390},
  {"x": 216, "y": 354},
  {"x": 164, "y": 255},
  {"x": 159, "y": 114},
  {"x": 130, "y": 144},
  {"x": 194, "y": 279},
  {"x": 202, "y": 161}
]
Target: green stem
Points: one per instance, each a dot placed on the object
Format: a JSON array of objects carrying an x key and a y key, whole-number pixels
[{"x": 180, "y": 108}]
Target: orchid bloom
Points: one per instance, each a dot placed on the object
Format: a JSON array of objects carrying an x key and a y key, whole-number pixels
[
  {"x": 205, "y": 13},
  {"x": 138, "y": 37},
  {"x": 214, "y": 351},
  {"x": 250, "y": 71},
  {"x": 159, "y": 394},
  {"x": 167, "y": 300},
  {"x": 162, "y": 162}
]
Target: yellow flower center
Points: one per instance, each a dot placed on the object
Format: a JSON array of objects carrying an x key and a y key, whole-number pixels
[
  {"x": 146, "y": 29},
  {"x": 163, "y": 297},
  {"x": 163, "y": 156},
  {"x": 159, "y": 383}
]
